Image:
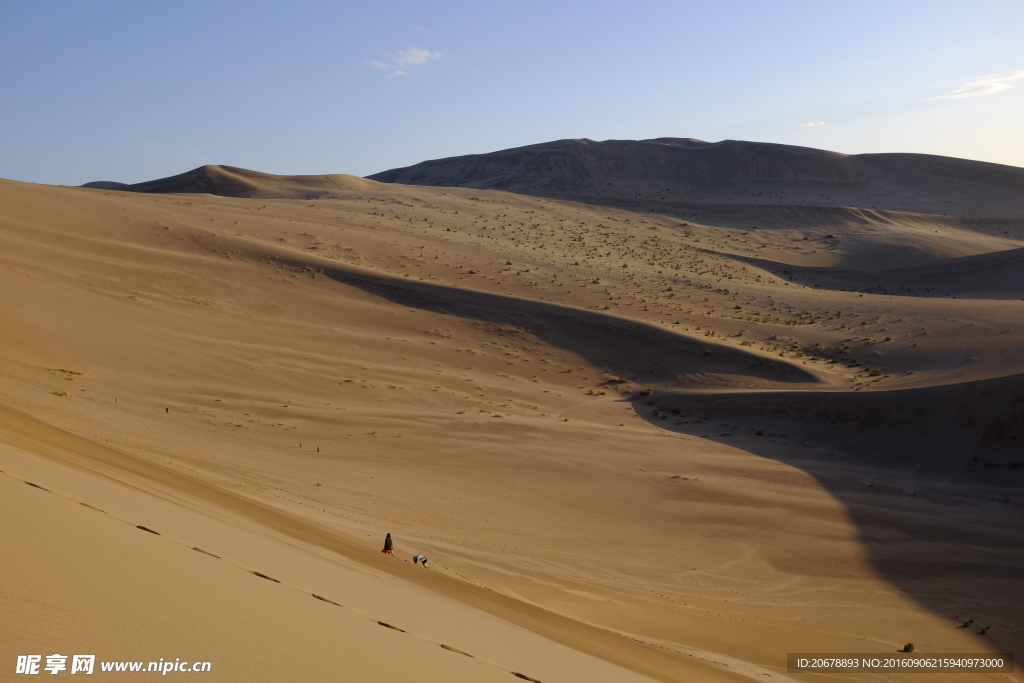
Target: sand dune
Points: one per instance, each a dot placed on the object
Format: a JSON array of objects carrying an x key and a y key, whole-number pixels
[
  {"x": 636, "y": 444},
  {"x": 228, "y": 181}
]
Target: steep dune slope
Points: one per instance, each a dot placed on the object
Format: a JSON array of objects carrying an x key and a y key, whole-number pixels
[{"x": 137, "y": 532}]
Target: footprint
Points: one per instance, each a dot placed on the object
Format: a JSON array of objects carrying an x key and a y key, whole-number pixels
[
  {"x": 206, "y": 552},
  {"x": 139, "y": 526},
  {"x": 268, "y": 578},
  {"x": 387, "y": 625},
  {"x": 452, "y": 649},
  {"x": 320, "y": 597}
]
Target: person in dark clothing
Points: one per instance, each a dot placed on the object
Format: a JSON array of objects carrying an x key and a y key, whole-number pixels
[{"x": 388, "y": 545}]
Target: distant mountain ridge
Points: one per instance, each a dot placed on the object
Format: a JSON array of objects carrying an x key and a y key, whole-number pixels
[
  {"x": 687, "y": 169},
  {"x": 673, "y": 170},
  {"x": 582, "y": 164}
]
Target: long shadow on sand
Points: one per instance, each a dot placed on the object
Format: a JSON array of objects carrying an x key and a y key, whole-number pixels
[
  {"x": 623, "y": 347},
  {"x": 997, "y": 275},
  {"x": 931, "y": 476}
]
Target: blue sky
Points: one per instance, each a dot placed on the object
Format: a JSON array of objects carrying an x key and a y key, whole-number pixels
[{"x": 132, "y": 91}]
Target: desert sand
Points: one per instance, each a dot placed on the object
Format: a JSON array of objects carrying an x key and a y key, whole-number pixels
[{"x": 640, "y": 437}]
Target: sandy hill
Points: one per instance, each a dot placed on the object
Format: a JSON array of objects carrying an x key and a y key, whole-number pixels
[
  {"x": 639, "y": 439},
  {"x": 228, "y": 181},
  {"x": 687, "y": 170}
]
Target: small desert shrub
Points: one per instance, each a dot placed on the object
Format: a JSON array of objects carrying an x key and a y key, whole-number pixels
[
  {"x": 909, "y": 647},
  {"x": 645, "y": 392}
]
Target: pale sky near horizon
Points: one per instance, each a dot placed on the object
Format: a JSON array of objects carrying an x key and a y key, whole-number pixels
[{"x": 132, "y": 91}]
